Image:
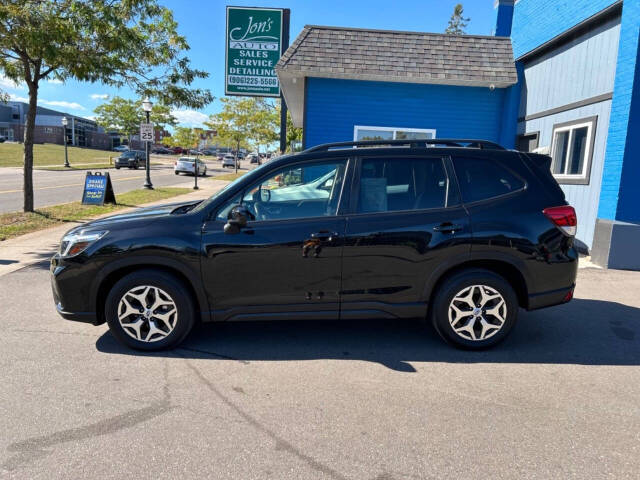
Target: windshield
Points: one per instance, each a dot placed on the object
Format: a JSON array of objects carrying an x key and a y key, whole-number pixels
[{"x": 128, "y": 154}]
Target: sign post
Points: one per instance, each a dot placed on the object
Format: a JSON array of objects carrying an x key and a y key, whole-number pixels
[
  {"x": 255, "y": 39},
  {"x": 147, "y": 136}
]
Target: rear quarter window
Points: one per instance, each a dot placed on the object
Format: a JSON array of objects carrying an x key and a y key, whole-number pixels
[{"x": 482, "y": 178}]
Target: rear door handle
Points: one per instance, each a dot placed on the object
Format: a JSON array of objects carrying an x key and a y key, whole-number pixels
[
  {"x": 324, "y": 236},
  {"x": 448, "y": 227}
]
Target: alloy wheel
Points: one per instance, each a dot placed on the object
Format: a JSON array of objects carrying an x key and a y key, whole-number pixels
[
  {"x": 147, "y": 313},
  {"x": 477, "y": 312}
]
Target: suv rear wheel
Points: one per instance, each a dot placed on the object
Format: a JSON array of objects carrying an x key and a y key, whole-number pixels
[
  {"x": 149, "y": 310},
  {"x": 474, "y": 309}
]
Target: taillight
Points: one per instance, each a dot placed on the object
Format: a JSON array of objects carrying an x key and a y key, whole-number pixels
[{"x": 563, "y": 217}]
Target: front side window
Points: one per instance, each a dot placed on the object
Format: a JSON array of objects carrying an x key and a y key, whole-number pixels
[
  {"x": 392, "y": 184},
  {"x": 361, "y": 133},
  {"x": 300, "y": 191},
  {"x": 572, "y": 150},
  {"x": 481, "y": 179}
]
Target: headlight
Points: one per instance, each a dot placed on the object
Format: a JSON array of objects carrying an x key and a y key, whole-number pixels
[{"x": 77, "y": 242}]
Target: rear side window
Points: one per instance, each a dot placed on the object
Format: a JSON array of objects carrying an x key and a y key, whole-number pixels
[
  {"x": 481, "y": 178},
  {"x": 392, "y": 184}
]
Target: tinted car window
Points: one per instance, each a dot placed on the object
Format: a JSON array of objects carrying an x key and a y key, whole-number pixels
[
  {"x": 298, "y": 191},
  {"x": 391, "y": 184},
  {"x": 481, "y": 178}
]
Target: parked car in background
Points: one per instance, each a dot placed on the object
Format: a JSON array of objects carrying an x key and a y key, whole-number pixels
[
  {"x": 209, "y": 151},
  {"x": 195, "y": 151},
  {"x": 2, "y": 139},
  {"x": 253, "y": 158},
  {"x": 458, "y": 233},
  {"x": 229, "y": 161},
  {"x": 187, "y": 165},
  {"x": 161, "y": 151},
  {"x": 121, "y": 148},
  {"x": 177, "y": 150},
  {"x": 131, "y": 159}
]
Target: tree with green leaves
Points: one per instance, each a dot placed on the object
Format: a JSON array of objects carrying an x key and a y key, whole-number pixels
[
  {"x": 125, "y": 116},
  {"x": 133, "y": 43},
  {"x": 294, "y": 134},
  {"x": 457, "y": 22},
  {"x": 265, "y": 123},
  {"x": 234, "y": 123},
  {"x": 185, "y": 137}
]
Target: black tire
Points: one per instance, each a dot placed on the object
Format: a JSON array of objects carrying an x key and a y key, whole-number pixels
[
  {"x": 455, "y": 284},
  {"x": 175, "y": 288},
  {"x": 117, "y": 168},
  {"x": 177, "y": 173},
  {"x": 136, "y": 166}
]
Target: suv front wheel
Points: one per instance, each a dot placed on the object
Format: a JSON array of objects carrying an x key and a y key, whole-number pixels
[
  {"x": 474, "y": 309},
  {"x": 149, "y": 310}
]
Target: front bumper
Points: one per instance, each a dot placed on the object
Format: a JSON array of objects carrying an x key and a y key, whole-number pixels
[
  {"x": 62, "y": 294},
  {"x": 128, "y": 163}
]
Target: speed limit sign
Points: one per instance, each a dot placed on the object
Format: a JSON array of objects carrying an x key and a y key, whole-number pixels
[{"x": 146, "y": 132}]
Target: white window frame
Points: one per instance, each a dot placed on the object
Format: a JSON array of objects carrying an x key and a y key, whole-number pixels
[
  {"x": 571, "y": 127},
  {"x": 432, "y": 131}
]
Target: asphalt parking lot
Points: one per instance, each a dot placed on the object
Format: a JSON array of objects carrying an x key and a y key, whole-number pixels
[{"x": 352, "y": 400}]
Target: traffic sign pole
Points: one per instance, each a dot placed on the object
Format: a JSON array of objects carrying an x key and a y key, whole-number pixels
[{"x": 146, "y": 135}]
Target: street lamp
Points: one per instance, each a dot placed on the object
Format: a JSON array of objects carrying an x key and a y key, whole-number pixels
[
  {"x": 146, "y": 106},
  {"x": 64, "y": 136}
]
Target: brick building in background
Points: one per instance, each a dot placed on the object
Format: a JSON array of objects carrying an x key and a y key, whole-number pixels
[{"x": 80, "y": 132}]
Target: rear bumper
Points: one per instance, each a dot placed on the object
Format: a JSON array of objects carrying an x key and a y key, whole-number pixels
[{"x": 550, "y": 298}]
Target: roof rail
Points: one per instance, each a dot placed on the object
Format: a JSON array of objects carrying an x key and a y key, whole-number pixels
[{"x": 422, "y": 143}]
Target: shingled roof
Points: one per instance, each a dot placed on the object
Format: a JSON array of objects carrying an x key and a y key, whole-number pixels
[{"x": 395, "y": 56}]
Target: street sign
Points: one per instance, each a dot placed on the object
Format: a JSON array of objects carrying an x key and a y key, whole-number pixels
[
  {"x": 254, "y": 45},
  {"x": 98, "y": 189},
  {"x": 146, "y": 132}
]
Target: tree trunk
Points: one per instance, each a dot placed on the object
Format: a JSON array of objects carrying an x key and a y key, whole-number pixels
[{"x": 28, "y": 147}]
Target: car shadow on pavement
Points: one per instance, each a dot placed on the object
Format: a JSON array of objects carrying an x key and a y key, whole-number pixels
[{"x": 586, "y": 332}]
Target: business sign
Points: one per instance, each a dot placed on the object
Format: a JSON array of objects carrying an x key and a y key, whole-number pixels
[
  {"x": 98, "y": 189},
  {"x": 146, "y": 132},
  {"x": 254, "y": 45}
]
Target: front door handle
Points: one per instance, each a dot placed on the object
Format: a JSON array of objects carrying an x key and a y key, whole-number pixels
[
  {"x": 324, "y": 236},
  {"x": 448, "y": 227}
]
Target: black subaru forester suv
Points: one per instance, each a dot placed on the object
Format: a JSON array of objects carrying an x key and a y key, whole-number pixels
[{"x": 461, "y": 233}]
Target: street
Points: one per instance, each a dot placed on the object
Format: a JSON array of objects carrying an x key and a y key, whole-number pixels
[
  {"x": 305, "y": 400},
  {"x": 54, "y": 187}
]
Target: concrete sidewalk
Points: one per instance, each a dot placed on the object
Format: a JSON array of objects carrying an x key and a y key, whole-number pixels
[{"x": 25, "y": 250}]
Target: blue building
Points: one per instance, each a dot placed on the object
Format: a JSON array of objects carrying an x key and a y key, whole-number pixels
[{"x": 559, "y": 77}]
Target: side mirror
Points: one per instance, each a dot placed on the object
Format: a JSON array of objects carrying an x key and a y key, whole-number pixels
[{"x": 237, "y": 219}]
